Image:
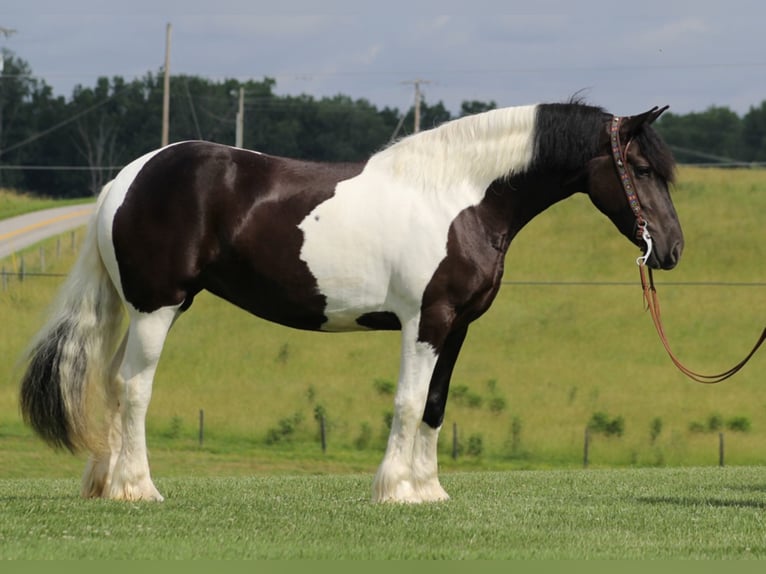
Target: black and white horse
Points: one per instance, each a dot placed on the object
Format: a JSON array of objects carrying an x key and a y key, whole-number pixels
[{"x": 413, "y": 239}]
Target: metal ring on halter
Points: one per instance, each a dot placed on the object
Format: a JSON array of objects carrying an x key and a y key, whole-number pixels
[{"x": 644, "y": 228}]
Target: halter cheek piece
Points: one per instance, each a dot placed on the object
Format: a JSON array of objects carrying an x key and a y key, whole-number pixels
[{"x": 629, "y": 187}]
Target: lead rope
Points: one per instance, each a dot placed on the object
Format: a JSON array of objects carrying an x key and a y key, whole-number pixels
[
  {"x": 651, "y": 301},
  {"x": 652, "y": 304}
]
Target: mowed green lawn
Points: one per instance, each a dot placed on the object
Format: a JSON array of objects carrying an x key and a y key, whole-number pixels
[{"x": 689, "y": 513}]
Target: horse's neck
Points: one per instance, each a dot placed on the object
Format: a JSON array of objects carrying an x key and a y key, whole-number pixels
[{"x": 525, "y": 196}]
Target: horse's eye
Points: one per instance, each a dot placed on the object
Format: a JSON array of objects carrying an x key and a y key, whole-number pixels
[{"x": 642, "y": 171}]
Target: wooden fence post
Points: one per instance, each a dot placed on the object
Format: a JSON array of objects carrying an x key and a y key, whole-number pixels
[
  {"x": 720, "y": 449},
  {"x": 586, "y": 448},
  {"x": 201, "y": 427},
  {"x": 454, "y": 441},
  {"x": 5, "y": 279},
  {"x": 322, "y": 433}
]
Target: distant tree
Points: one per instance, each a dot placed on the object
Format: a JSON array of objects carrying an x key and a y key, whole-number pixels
[
  {"x": 468, "y": 108},
  {"x": 18, "y": 123},
  {"x": 712, "y": 136},
  {"x": 754, "y": 133}
]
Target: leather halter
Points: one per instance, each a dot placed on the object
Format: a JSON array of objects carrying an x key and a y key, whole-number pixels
[
  {"x": 651, "y": 300},
  {"x": 629, "y": 187}
]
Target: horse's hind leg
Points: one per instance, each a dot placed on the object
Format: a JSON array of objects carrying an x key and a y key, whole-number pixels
[
  {"x": 100, "y": 465},
  {"x": 130, "y": 477}
]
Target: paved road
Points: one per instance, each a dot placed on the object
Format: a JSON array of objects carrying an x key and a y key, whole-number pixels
[{"x": 19, "y": 232}]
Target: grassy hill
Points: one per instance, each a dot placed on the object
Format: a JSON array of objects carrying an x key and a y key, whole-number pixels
[{"x": 567, "y": 338}]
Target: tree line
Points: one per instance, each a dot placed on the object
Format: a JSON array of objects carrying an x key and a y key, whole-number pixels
[{"x": 69, "y": 147}]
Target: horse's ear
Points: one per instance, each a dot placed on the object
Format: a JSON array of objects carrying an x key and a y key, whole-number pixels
[{"x": 633, "y": 124}]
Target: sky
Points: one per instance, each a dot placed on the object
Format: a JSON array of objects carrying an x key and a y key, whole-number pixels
[{"x": 624, "y": 56}]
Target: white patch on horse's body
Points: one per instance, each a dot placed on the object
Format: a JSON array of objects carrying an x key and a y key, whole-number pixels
[{"x": 375, "y": 244}]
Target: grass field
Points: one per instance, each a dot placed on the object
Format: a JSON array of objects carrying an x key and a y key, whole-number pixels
[
  {"x": 12, "y": 203},
  {"x": 566, "y": 338},
  {"x": 686, "y": 513}
]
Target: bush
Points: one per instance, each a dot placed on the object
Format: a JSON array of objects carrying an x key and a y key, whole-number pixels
[
  {"x": 284, "y": 430},
  {"x": 655, "y": 428},
  {"x": 462, "y": 395},
  {"x": 497, "y": 404},
  {"x": 475, "y": 445},
  {"x": 513, "y": 442},
  {"x": 175, "y": 428},
  {"x": 601, "y": 423},
  {"x": 715, "y": 423},
  {"x": 384, "y": 387},
  {"x": 738, "y": 424}
]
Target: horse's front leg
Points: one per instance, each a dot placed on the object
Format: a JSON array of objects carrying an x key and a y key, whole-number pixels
[
  {"x": 425, "y": 468},
  {"x": 394, "y": 481}
]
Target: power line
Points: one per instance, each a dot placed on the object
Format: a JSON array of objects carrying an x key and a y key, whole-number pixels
[
  {"x": 53, "y": 128},
  {"x": 59, "y": 167},
  {"x": 542, "y": 283}
]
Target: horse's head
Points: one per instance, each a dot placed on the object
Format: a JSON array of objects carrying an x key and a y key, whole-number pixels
[{"x": 629, "y": 181}]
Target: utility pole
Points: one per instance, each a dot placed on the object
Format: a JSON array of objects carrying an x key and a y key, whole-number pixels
[
  {"x": 418, "y": 98},
  {"x": 166, "y": 90},
  {"x": 7, "y": 32},
  {"x": 240, "y": 118}
]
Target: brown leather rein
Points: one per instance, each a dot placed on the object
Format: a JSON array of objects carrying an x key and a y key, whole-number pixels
[{"x": 647, "y": 279}]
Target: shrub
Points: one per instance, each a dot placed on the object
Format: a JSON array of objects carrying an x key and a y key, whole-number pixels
[
  {"x": 462, "y": 395},
  {"x": 655, "y": 428},
  {"x": 320, "y": 412},
  {"x": 284, "y": 430},
  {"x": 175, "y": 428},
  {"x": 738, "y": 424},
  {"x": 513, "y": 443},
  {"x": 696, "y": 426},
  {"x": 475, "y": 445},
  {"x": 715, "y": 423},
  {"x": 283, "y": 355},
  {"x": 601, "y": 423},
  {"x": 384, "y": 386},
  {"x": 497, "y": 404}
]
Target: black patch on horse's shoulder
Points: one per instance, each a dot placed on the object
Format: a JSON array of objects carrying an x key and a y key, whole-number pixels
[
  {"x": 380, "y": 321},
  {"x": 567, "y": 136}
]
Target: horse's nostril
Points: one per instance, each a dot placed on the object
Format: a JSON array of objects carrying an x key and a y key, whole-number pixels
[
  {"x": 676, "y": 251},
  {"x": 673, "y": 256}
]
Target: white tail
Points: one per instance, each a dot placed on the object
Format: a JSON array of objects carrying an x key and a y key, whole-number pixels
[{"x": 69, "y": 358}]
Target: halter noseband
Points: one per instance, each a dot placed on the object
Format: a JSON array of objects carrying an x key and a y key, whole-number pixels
[{"x": 629, "y": 187}]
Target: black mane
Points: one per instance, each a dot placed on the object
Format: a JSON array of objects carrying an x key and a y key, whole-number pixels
[{"x": 568, "y": 135}]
